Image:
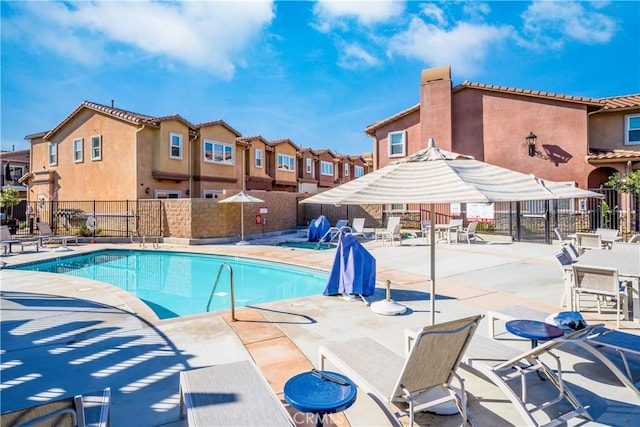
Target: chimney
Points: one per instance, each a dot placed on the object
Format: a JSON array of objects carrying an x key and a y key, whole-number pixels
[
  {"x": 112, "y": 103},
  {"x": 436, "y": 107}
]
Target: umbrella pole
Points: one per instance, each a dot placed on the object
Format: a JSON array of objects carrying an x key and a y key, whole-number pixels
[
  {"x": 432, "y": 237},
  {"x": 242, "y": 222}
]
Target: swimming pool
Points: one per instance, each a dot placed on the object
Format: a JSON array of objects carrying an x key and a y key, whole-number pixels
[{"x": 175, "y": 284}]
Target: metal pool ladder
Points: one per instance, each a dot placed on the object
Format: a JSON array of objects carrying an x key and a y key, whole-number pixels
[{"x": 215, "y": 285}]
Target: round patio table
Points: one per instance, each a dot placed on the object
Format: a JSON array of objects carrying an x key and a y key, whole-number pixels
[
  {"x": 533, "y": 330},
  {"x": 320, "y": 392}
]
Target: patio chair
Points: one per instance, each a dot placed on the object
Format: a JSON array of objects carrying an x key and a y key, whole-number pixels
[
  {"x": 468, "y": 233},
  {"x": 422, "y": 380},
  {"x": 425, "y": 228},
  {"x": 573, "y": 251},
  {"x": 588, "y": 241},
  {"x": 633, "y": 248},
  {"x": 561, "y": 237},
  {"x": 7, "y": 239},
  {"x": 47, "y": 236},
  {"x": 509, "y": 369},
  {"x": 231, "y": 394},
  {"x": 600, "y": 282},
  {"x": 392, "y": 230},
  {"x": 64, "y": 412},
  {"x": 566, "y": 266},
  {"x": 635, "y": 239},
  {"x": 608, "y": 236},
  {"x": 357, "y": 228}
]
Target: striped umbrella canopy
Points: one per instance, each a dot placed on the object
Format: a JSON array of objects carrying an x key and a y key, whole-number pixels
[{"x": 433, "y": 176}]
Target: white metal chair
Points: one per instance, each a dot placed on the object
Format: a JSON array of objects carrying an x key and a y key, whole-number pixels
[
  {"x": 600, "y": 282},
  {"x": 635, "y": 239},
  {"x": 468, "y": 233},
  {"x": 566, "y": 265},
  {"x": 587, "y": 241},
  {"x": 357, "y": 228},
  {"x": 425, "y": 228},
  {"x": 388, "y": 233}
]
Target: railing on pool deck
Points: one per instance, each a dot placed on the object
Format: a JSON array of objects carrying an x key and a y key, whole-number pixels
[{"x": 215, "y": 285}]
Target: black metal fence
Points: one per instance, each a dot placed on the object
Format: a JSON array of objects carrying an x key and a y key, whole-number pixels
[{"x": 122, "y": 218}]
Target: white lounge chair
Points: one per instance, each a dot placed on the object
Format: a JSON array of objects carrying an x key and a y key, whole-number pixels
[
  {"x": 63, "y": 412},
  {"x": 510, "y": 370},
  {"x": 341, "y": 226},
  {"x": 232, "y": 394},
  {"x": 423, "y": 379},
  {"x": 47, "y": 236},
  {"x": 357, "y": 228}
]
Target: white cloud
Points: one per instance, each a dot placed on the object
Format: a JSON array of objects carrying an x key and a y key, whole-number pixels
[
  {"x": 551, "y": 24},
  {"x": 354, "y": 57},
  {"x": 335, "y": 13},
  {"x": 464, "y": 46},
  {"x": 206, "y": 34}
]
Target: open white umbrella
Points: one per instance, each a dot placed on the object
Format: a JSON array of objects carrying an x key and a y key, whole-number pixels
[
  {"x": 241, "y": 198},
  {"x": 433, "y": 176}
]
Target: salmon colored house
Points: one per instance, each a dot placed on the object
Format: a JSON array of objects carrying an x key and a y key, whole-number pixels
[
  {"x": 307, "y": 173},
  {"x": 257, "y": 166},
  {"x": 325, "y": 168},
  {"x": 283, "y": 163}
]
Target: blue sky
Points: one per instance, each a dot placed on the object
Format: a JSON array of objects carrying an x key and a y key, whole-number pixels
[{"x": 316, "y": 72}]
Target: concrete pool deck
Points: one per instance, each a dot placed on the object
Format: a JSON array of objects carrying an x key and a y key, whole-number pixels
[{"x": 63, "y": 335}]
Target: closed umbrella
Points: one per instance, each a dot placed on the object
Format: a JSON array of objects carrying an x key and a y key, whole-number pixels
[
  {"x": 433, "y": 176},
  {"x": 241, "y": 198}
]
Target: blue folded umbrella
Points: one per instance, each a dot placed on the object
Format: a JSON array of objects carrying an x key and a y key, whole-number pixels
[
  {"x": 353, "y": 271},
  {"x": 318, "y": 228}
]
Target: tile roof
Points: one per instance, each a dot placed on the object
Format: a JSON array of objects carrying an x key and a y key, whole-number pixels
[
  {"x": 218, "y": 123},
  {"x": 528, "y": 92},
  {"x": 600, "y": 155},
  {"x": 276, "y": 142},
  {"x": 627, "y": 102},
  {"x": 371, "y": 129}
]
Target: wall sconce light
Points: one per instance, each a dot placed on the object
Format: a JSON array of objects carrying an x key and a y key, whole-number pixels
[
  {"x": 187, "y": 192},
  {"x": 146, "y": 190},
  {"x": 531, "y": 143}
]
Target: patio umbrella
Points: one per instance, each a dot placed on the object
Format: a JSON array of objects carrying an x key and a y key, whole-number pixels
[
  {"x": 241, "y": 198},
  {"x": 433, "y": 176}
]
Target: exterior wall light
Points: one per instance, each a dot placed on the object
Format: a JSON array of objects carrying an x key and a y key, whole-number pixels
[{"x": 531, "y": 143}]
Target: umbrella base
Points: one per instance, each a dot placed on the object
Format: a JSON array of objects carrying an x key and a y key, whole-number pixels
[
  {"x": 242, "y": 243},
  {"x": 62, "y": 249},
  {"x": 388, "y": 307}
]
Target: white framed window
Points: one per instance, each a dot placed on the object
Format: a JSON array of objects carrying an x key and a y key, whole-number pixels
[
  {"x": 632, "y": 129},
  {"x": 397, "y": 144},
  {"x": 359, "y": 171},
  {"x": 211, "y": 194},
  {"x": 78, "y": 150},
  {"x": 53, "y": 153},
  {"x": 168, "y": 194},
  {"x": 175, "y": 145},
  {"x": 218, "y": 152},
  {"x": 346, "y": 169},
  {"x": 397, "y": 207},
  {"x": 96, "y": 147},
  {"x": 308, "y": 164},
  {"x": 286, "y": 163},
  {"x": 258, "y": 157},
  {"x": 326, "y": 168}
]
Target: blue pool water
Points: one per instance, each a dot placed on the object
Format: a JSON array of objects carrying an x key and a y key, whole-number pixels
[{"x": 177, "y": 284}]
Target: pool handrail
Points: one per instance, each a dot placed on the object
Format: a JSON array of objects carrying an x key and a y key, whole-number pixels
[{"x": 215, "y": 285}]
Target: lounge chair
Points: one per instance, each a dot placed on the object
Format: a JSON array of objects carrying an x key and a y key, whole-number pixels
[
  {"x": 390, "y": 378},
  {"x": 469, "y": 233},
  {"x": 6, "y": 239},
  {"x": 47, "y": 236},
  {"x": 232, "y": 394},
  {"x": 342, "y": 226},
  {"x": 64, "y": 412},
  {"x": 510, "y": 370},
  {"x": 391, "y": 232}
]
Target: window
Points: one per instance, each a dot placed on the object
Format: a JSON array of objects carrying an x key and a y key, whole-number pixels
[
  {"x": 78, "y": 155},
  {"x": 286, "y": 162},
  {"x": 397, "y": 144},
  {"x": 258, "y": 157},
  {"x": 308, "y": 164},
  {"x": 211, "y": 194},
  {"x": 168, "y": 194},
  {"x": 398, "y": 207},
  {"x": 175, "y": 146},
  {"x": 218, "y": 152},
  {"x": 15, "y": 173},
  {"x": 359, "y": 171},
  {"x": 96, "y": 147},
  {"x": 53, "y": 153},
  {"x": 326, "y": 168},
  {"x": 346, "y": 170},
  {"x": 632, "y": 129}
]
